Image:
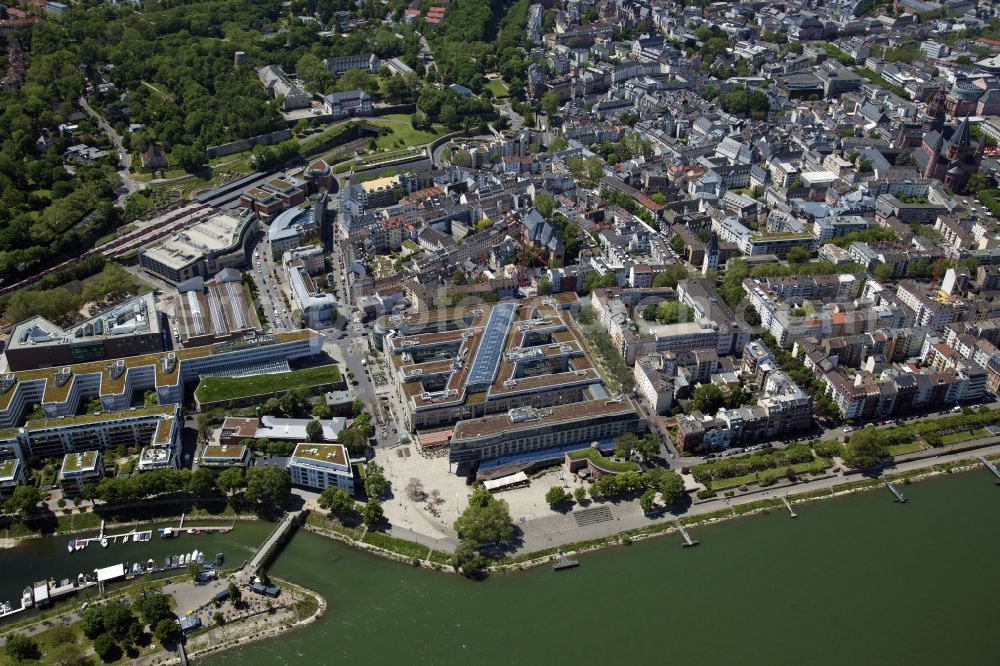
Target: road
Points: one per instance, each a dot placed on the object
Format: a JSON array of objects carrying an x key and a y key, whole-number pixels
[
  {"x": 128, "y": 185},
  {"x": 266, "y": 275}
]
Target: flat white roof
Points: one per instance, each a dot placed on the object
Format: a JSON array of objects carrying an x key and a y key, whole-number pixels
[{"x": 111, "y": 573}]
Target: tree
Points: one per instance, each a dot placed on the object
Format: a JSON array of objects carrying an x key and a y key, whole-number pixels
[
  {"x": 556, "y": 496},
  {"x": 884, "y": 272},
  {"x": 544, "y": 204},
  {"x": 557, "y": 144},
  {"x": 466, "y": 559},
  {"x": 376, "y": 485},
  {"x": 202, "y": 482},
  {"x": 549, "y": 104},
  {"x": 231, "y": 480},
  {"x": 415, "y": 490},
  {"x": 977, "y": 181},
  {"x": 166, "y": 631},
  {"x": 24, "y": 500},
  {"x": 355, "y": 441},
  {"x": 646, "y": 500},
  {"x": 321, "y": 411},
  {"x": 865, "y": 449},
  {"x": 235, "y": 594},
  {"x": 291, "y": 402},
  {"x": 707, "y": 399},
  {"x": 314, "y": 431},
  {"x": 648, "y": 447},
  {"x": 485, "y": 519},
  {"x": 625, "y": 443},
  {"x": 189, "y": 157},
  {"x": 357, "y": 407},
  {"x": 267, "y": 486},
  {"x": 580, "y": 494},
  {"x": 336, "y": 501},
  {"x": 670, "y": 276},
  {"x": 586, "y": 170},
  {"x": 798, "y": 255},
  {"x": 154, "y": 608},
  {"x": 372, "y": 513},
  {"x": 106, "y": 648},
  {"x": 544, "y": 286},
  {"x": 671, "y": 487},
  {"x": 22, "y": 648}
]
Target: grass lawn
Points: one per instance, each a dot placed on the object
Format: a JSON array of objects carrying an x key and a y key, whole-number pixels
[
  {"x": 400, "y": 546},
  {"x": 604, "y": 463},
  {"x": 814, "y": 467},
  {"x": 497, "y": 87},
  {"x": 956, "y": 437},
  {"x": 212, "y": 389},
  {"x": 907, "y": 447},
  {"x": 403, "y": 135}
]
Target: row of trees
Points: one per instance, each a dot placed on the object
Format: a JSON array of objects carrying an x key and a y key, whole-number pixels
[
  {"x": 727, "y": 468},
  {"x": 668, "y": 484},
  {"x": 262, "y": 487}
]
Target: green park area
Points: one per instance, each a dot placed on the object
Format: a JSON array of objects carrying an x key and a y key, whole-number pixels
[
  {"x": 604, "y": 463},
  {"x": 763, "y": 467},
  {"x": 220, "y": 389},
  {"x": 401, "y": 133},
  {"x": 964, "y": 436},
  {"x": 498, "y": 88}
]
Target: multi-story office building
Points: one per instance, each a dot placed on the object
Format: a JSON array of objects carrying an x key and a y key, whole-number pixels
[
  {"x": 318, "y": 307},
  {"x": 128, "y": 329},
  {"x": 61, "y": 390}
]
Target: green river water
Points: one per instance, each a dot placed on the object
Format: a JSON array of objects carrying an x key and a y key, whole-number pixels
[{"x": 859, "y": 580}]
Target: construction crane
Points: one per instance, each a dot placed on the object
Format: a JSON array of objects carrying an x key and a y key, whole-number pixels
[{"x": 522, "y": 272}]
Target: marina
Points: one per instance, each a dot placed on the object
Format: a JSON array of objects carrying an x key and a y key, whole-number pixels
[
  {"x": 44, "y": 592},
  {"x": 46, "y": 559}
]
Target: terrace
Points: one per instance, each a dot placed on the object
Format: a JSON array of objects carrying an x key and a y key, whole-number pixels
[{"x": 329, "y": 454}]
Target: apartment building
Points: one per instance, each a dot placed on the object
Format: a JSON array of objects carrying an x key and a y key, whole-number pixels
[{"x": 317, "y": 466}]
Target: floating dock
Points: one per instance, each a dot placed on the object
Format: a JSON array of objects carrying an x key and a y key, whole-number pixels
[
  {"x": 900, "y": 497},
  {"x": 44, "y": 592},
  {"x": 990, "y": 466},
  {"x": 791, "y": 512},
  {"x": 564, "y": 563},
  {"x": 688, "y": 541},
  {"x": 106, "y": 540}
]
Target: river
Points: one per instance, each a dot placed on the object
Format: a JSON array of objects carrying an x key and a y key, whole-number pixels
[{"x": 858, "y": 580}]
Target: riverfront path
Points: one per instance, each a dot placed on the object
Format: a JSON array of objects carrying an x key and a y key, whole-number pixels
[{"x": 560, "y": 529}]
